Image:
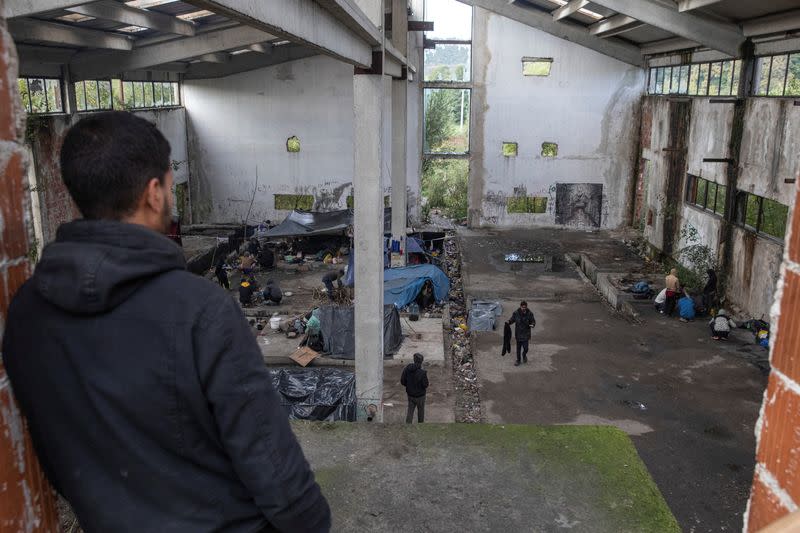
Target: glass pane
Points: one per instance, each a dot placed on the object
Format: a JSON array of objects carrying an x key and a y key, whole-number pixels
[
  {"x": 22, "y": 85},
  {"x": 762, "y": 75},
  {"x": 157, "y": 100},
  {"x": 536, "y": 67},
  {"x": 659, "y": 81},
  {"x": 148, "y": 94},
  {"x": 737, "y": 69},
  {"x": 702, "y": 185},
  {"x": 166, "y": 93},
  {"x": 651, "y": 86},
  {"x": 80, "y": 96},
  {"x": 725, "y": 87},
  {"x": 444, "y": 186},
  {"x": 104, "y": 89},
  {"x": 793, "y": 81},
  {"x": 751, "y": 213},
  {"x": 693, "y": 72},
  {"x": 451, "y": 19},
  {"x": 773, "y": 218},
  {"x": 446, "y": 120},
  {"x": 722, "y": 193},
  {"x": 127, "y": 93},
  {"x": 711, "y": 195},
  {"x": 683, "y": 86},
  {"x": 37, "y": 95},
  {"x": 713, "y": 84},
  {"x": 138, "y": 94},
  {"x": 667, "y": 80},
  {"x": 448, "y": 62},
  {"x": 676, "y": 80},
  {"x": 702, "y": 78},
  {"x": 91, "y": 95},
  {"x": 54, "y": 103},
  {"x": 116, "y": 94},
  {"x": 777, "y": 76}
]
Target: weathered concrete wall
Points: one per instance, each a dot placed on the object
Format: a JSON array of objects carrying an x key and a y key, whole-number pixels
[
  {"x": 655, "y": 137},
  {"x": 45, "y": 135},
  {"x": 589, "y": 106}
]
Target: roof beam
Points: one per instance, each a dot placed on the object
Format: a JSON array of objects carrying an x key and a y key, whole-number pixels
[
  {"x": 354, "y": 18},
  {"x": 25, "y": 8},
  {"x": 94, "y": 65},
  {"x": 110, "y": 10},
  {"x": 614, "y": 26},
  {"x": 48, "y": 32},
  {"x": 247, "y": 62},
  {"x": 720, "y": 36},
  {"x": 570, "y": 8},
  {"x": 301, "y": 21},
  {"x": 576, "y": 33},
  {"x": 781, "y": 22},
  {"x": 668, "y": 45},
  {"x": 688, "y": 5},
  {"x": 261, "y": 48},
  {"x": 214, "y": 57}
]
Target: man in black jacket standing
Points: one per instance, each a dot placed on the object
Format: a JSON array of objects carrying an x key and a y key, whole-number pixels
[
  {"x": 415, "y": 380},
  {"x": 523, "y": 321},
  {"x": 146, "y": 394}
]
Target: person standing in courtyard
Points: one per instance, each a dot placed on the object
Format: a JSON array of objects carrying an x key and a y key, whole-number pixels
[
  {"x": 673, "y": 286},
  {"x": 524, "y": 322},
  {"x": 415, "y": 380}
]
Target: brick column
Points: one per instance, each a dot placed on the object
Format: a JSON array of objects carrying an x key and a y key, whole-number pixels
[
  {"x": 776, "y": 483},
  {"x": 28, "y": 502}
]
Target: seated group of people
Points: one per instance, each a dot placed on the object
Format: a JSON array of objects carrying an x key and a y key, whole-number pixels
[
  {"x": 689, "y": 306},
  {"x": 248, "y": 287}
]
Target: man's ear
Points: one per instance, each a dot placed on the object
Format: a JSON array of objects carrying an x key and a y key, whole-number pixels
[{"x": 154, "y": 194}]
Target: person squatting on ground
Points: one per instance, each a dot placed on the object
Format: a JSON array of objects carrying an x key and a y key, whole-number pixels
[
  {"x": 661, "y": 301},
  {"x": 721, "y": 325},
  {"x": 686, "y": 307},
  {"x": 272, "y": 293},
  {"x": 247, "y": 287},
  {"x": 415, "y": 380},
  {"x": 523, "y": 321},
  {"x": 673, "y": 286},
  {"x": 148, "y": 401},
  {"x": 329, "y": 278}
]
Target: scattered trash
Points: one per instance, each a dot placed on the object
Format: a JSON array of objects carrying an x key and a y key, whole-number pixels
[
  {"x": 635, "y": 405},
  {"x": 524, "y": 258},
  {"x": 303, "y": 356},
  {"x": 324, "y": 394}
]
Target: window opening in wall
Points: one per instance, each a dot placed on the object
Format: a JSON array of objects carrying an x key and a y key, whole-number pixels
[
  {"x": 716, "y": 78},
  {"x": 41, "y": 95},
  {"x": 549, "y": 149},
  {"x": 510, "y": 149},
  {"x": 447, "y": 121},
  {"x": 536, "y": 66},
  {"x": 448, "y": 62},
  {"x": 706, "y": 194},
  {"x": 351, "y": 203},
  {"x": 761, "y": 215},
  {"x": 444, "y": 187},
  {"x": 777, "y": 75},
  {"x": 94, "y": 95},
  {"x": 303, "y": 202},
  {"x": 526, "y": 204}
]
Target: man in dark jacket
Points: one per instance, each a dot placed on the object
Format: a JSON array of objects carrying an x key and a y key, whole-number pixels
[
  {"x": 148, "y": 401},
  {"x": 523, "y": 321},
  {"x": 415, "y": 380},
  {"x": 272, "y": 293}
]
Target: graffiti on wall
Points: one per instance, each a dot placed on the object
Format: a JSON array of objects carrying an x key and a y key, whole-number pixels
[{"x": 579, "y": 204}]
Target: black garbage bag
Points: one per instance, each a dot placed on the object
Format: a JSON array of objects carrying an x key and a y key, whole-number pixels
[{"x": 323, "y": 394}]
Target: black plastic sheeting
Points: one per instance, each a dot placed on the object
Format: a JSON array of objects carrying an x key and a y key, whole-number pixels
[
  {"x": 308, "y": 223},
  {"x": 324, "y": 394},
  {"x": 338, "y": 331}
]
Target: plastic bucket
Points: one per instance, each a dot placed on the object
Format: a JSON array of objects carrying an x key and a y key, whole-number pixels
[{"x": 275, "y": 323}]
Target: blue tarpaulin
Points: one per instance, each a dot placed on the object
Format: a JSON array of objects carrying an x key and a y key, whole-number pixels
[{"x": 402, "y": 285}]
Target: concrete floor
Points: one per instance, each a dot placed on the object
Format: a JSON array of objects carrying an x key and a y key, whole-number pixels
[{"x": 688, "y": 403}]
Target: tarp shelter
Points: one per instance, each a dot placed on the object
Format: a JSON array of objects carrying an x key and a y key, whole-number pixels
[
  {"x": 310, "y": 223},
  {"x": 327, "y": 394},
  {"x": 402, "y": 285},
  {"x": 338, "y": 331}
]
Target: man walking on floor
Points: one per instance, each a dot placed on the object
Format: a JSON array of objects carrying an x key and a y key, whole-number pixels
[
  {"x": 148, "y": 400},
  {"x": 415, "y": 380},
  {"x": 523, "y": 321}
]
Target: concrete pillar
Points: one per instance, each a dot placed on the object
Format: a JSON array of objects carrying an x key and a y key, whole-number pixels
[
  {"x": 399, "y": 128},
  {"x": 368, "y": 102}
]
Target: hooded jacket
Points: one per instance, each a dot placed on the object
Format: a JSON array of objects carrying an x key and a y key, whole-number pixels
[
  {"x": 415, "y": 380},
  {"x": 146, "y": 395}
]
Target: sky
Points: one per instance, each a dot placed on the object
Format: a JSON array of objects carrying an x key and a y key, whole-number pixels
[{"x": 452, "y": 19}]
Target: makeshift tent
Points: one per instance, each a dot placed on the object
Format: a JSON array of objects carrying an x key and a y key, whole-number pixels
[
  {"x": 402, "y": 285},
  {"x": 316, "y": 393},
  {"x": 338, "y": 331},
  {"x": 309, "y": 223}
]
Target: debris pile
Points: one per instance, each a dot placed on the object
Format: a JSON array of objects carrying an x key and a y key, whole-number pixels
[{"x": 468, "y": 401}]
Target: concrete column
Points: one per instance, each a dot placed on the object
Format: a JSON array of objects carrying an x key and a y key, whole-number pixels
[
  {"x": 368, "y": 102},
  {"x": 399, "y": 128}
]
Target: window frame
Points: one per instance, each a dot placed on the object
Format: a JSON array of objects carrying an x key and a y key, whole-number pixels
[
  {"x": 117, "y": 95},
  {"x": 694, "y": 185},
  {"x": 44, "y": 79},
  {"x": 758, "y": 77},
  {"x": 695, "y": 73},
  {"x": 740, "y": 215}
]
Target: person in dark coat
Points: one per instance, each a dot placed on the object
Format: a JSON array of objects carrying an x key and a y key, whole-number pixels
[
  {"x": 523, "y": 321},
  {"x": 329, "y": 278},
  {"x": 222, "y": 274},
  {"x": 272, "y": 293},
  {"x": 253, "y": 246},
  {"x": 266, "y": 258},
  {"x": 246, "y": 290},
  {"x": 415, "y": 380},
  {"x": 148, "y": 401},
  {"x": 710, "y": 290}
]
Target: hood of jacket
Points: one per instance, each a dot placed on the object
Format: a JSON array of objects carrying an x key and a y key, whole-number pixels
[{"x": 95, "y": 265}]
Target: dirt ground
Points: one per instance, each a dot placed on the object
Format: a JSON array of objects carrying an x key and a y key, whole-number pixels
[{"x": 689, "y": 403}]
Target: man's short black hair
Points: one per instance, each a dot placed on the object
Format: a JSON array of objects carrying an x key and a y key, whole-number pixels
[
  {"x": 107, "y": 159},
  {"x": 523, "y": 303},
  {"x": 418, "y": 358}
]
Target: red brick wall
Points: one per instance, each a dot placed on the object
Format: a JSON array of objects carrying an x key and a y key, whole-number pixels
[
  {"x": 27, "y": 500},
  {"x": 776, "y": 484}
]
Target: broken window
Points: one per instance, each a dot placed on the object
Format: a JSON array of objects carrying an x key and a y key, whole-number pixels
[
  {"x": 447, "y": 121},
  {"x": 526, "y": 204},
  {"x": 41, "y": 95},
  {"x": 761, "y": 214},
  {"x": 549, "y": 149},
  {"x": 448, "y": 62},
  {"x": 536, "y": 66},
  {"x": 777, "y": 75},
  {"x": 706, "y": 194},
  {"x": 509, "y": 149},
  {"x": 698, "y": 79},
  {"x": 302, "y": 202}
]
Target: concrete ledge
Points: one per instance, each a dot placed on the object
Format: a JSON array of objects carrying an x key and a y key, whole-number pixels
[
  {"x": 478, "y": 477},
  {"x": 602, "y": 280}
]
